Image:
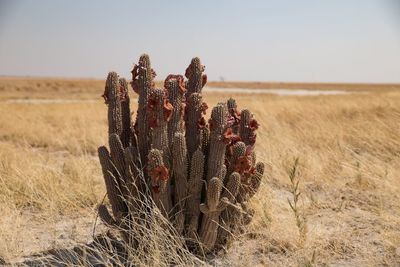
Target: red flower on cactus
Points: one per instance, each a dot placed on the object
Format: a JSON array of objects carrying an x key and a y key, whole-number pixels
[
  {"x": 152, "y": 102},
  {"x": 246, "y": 176},
  {"x": 249, "y": 150},
  {"x": 204, "y": 108},
  {"x": 153, "y": 74},
  {"x": 229, "y": 136},
  {"x": 135, "y": 86},
  {"x": 253, "y": 125},
  {"x": 123, "y": 95},
  {"x": 235, "y": 113},
  {"x": 159, "y": 173},
  {"x": 181, "y": 84},
  {"x": 167, "y": 110},
  {"x": 243, "y": 164},
  {"x": 252, "y": 138},
  {"x": 203, "y": 80},
  {"x": 134, "y": 82},
  {"x": 201, "y": 123},
  {"x": 179, "y": 79},
  {"x": 230, "y": 121},
  {"x": 104, "y": 95},
  {"x": 135, "y": 72},
  {"x": 188, "y": 71}
]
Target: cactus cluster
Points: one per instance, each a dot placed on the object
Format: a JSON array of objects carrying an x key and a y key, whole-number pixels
[{"x": 199, "y": 174}]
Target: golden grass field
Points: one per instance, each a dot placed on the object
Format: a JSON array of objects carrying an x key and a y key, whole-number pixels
[{"x": 349, "y": 169}]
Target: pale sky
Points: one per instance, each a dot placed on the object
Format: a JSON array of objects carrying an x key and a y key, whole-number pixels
[{"x": 282, "y": 40}]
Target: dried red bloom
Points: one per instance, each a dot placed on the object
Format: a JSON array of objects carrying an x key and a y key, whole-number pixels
[
  {"x": 181, "y": 83},
  {"x": 252, "y": 171},
  {"x": 242, "y": 164},
  {"x": 246, "y": 176},
  {"x": 252, "y": 139},
  {"x": 235, "y": 138},
  {"x": 153, "y": 74},
  {"x": 152, "y": 102},
  {"x": 135, "y": 86},
  {"x": 159, "y": 173},
  {"x": 203, "y": 80},
  {"x": 204, "y": 108},
  {"x": 135, "y": 72},
  {"x": 105, "y": 98},
  {"x": 249, "y": 150},
  {"x": 188, "y": 71},
  {"x": 235, "y": 113},
  {"x": 253, "y": 125},
  {"x": 201, "y": 123},
  {"x": 167, "y": 110},
  {"x": 122, "y": 93},
  {"x": 180, "y": 80},
  {"x": 229, "y": 136},
  {"x": 105, "y": 95},
  {"x": 230, "y": 121}
]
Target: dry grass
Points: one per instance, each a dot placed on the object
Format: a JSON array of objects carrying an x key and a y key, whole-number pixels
[{"x": 349, "y": 167}]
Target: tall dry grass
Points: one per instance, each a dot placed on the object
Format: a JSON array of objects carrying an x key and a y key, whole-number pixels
[{"x": 349, "y": 167}]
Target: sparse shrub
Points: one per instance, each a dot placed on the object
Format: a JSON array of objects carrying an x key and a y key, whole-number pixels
[
  {"x": 172, "y": 173},
  {"x": 301, "y": 220}
]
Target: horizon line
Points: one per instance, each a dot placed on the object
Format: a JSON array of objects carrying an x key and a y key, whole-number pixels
[{"x": 38, "y": 77}]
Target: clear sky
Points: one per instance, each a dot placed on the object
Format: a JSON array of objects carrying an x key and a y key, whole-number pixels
[{"x": 282, "y": 40}]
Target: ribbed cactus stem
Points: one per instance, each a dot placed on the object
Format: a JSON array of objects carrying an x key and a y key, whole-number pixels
[
  {"x": 232, "y": 187},
  {"x": 205, "y": 140},
  {"x": 142, "y": 83},
  {"x": 251, "y": 183},
  {"x": 211, "y": 209},
  {"x": 196, "y": 78},
  {"x": 234, "y": 115},
  {"x": 238, "y": 150},
  {"x": 195, "y": 185},
  {"x": 105, "y": 216},
  {"x": 176, "y": 89},
  {"x": 135, "y": 180},
  {"x": 117, "y": 153},
  {"x": 112, "y": 99},
  {"x": 248, "y": 126},
  {"x": 118, "y": 205},
  {"x": 180, "y": 170},
  {"x": 216, "y": 155},
  {"x": 125, "y": 113},
  {"x": 195, "y": 107},
  {"x": 245, "y": 117},
  {"x": 226, "y": 217},
  {"x": 159, "y": 111}
]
